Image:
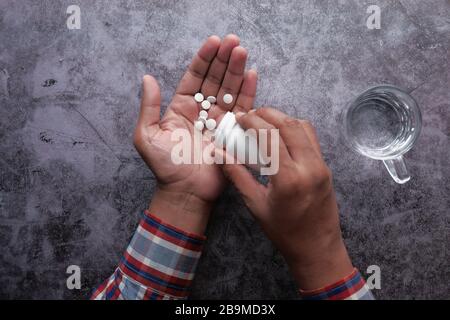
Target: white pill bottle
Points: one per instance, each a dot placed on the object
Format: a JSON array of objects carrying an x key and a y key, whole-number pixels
[{"x": 241, "y": 144}]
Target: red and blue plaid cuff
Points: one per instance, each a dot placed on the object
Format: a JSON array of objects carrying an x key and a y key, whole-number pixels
[
  {"x": 352, "y": 287},
  {"x": 159, "y": 263}
]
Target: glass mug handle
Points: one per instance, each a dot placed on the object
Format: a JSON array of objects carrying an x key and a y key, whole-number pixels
[{"x": 397, "y": 169}]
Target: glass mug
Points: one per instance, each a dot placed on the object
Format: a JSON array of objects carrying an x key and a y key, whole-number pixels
[{"x": 383, "y": 123}]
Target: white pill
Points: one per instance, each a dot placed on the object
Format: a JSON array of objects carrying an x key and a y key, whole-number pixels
[
  {"x": 206, "y": 104},
  {"x": 211, "y": 99},
  {"x": 202, "y": 120},
  {"x": 228, "y": 98},
  {"x": 210, "y": 124},
  {"x": 203, "y": 114},
  {"x": 199, "y": 125},
  {"x": 199, "y": 97}
]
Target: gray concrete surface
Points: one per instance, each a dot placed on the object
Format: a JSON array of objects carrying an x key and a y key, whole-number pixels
[{"x": 72, "y": 186}]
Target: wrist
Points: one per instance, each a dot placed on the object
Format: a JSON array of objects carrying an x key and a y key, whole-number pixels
[
  {"x": 182, "y": 210},
  {"x": 325, "y": 263}
]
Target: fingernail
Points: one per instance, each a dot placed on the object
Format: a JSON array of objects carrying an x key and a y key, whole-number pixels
[{"x": 239, "y": 114}]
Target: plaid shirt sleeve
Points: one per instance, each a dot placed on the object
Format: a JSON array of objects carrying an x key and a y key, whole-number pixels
[
  {"x": 352, "y": 287},
  {"x": 159, "y": 263}
]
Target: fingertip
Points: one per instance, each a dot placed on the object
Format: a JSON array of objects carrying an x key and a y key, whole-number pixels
[
  {"x": 250, "y": 82},
  {"x": 214, "y": 39},
  {"x": 150, "y": 91},
  {"x": 232, "y": 38},
  {"x": 227, "y": 45},
  {"x": 149, "y": 82},
  {"x": 147, "y": 79},
  {"x": 239, "y": 115},
  {"x": 252, "y": 73},
  {"x": 243, "y": 119},
  {"x": 240, "y": 52}
]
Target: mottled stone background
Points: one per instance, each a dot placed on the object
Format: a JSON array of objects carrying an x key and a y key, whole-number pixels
[{"x": 72, "y": 186}]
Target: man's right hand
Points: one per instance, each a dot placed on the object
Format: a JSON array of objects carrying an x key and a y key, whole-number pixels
[{"x": 297, "y": 210}]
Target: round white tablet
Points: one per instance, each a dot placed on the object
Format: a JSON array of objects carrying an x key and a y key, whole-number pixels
[
  {"x": 228, "y": 98},
  {"x": 199, "y": 97},
  {"x": 203, "y": 114},
  {"x": 206, "y": 104},
  {"x": 211, "y": 99},
  {"x": 199, "y": 125},
  {"x": 210, "y": 124},
  {"x": 202, "y": 119}
]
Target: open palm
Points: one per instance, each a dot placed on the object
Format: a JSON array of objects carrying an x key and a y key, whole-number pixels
[{"x": 217, "y": 68}]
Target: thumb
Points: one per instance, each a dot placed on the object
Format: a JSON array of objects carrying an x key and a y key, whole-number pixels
[
  {"x": 253, "y": 193},
  {"x": 150, "y": 102}
]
